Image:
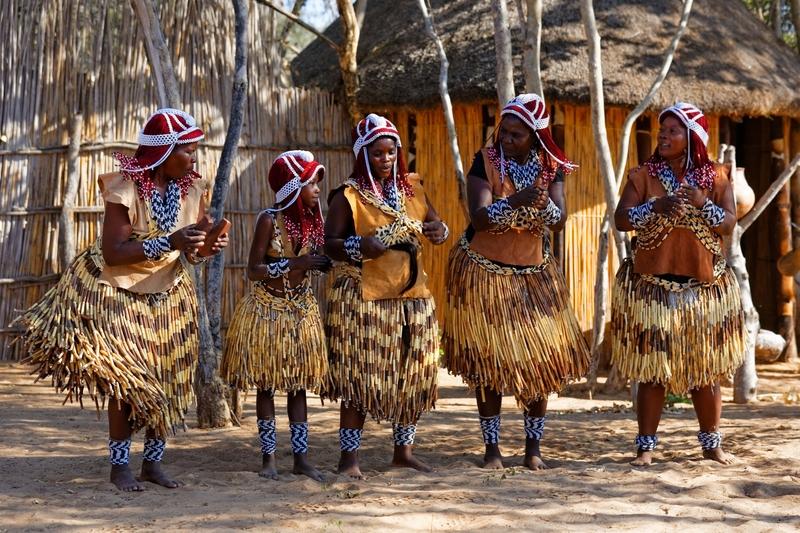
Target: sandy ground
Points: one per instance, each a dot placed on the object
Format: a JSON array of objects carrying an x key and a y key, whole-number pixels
[{"x": 53, "y": 471}]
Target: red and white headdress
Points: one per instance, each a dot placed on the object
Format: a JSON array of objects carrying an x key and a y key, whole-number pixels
[
  {"x": 368, "y": 130},
  {"x": 163, "y": 131},
  {"x": 691, "y": 117},
  {"x": 697, "y": 162},
  {"x": 531, "y": 109},
  {"x": 289, "y": 173}
]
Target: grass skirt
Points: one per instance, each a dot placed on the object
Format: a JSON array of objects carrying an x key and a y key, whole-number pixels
[
  {"x": 682, "y": 336},
  {"x": 383, "y": 354},
  {"x": 511, "y": 332},
  {"x": 275, "y": 343},
  {"x": 94, "y": 339}
]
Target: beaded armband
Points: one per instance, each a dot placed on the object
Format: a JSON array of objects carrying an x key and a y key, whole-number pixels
[
  {"x": 155, "y": 249},
  {"x": 713, "y": 214},
  {"x": 352, "y": 247},
  {"x": 641, "y": 215},
  {"x": 551, "y": 214},
  {"x": 501, "y": 213},
  {"x": 278, "y": 269}
]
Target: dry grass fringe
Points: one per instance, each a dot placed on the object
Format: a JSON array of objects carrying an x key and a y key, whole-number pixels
[
  {"x": 683, "y": 339},
  {"x": 94, "y": 339},
  {"x": 383, "y": 354},
  {"x": 513, "y": 334},
  {"x": 275, "y": 343}
]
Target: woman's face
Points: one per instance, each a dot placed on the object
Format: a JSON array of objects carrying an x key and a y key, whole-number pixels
[
  {"x": 180, "y": 162},
  {"x": 515, "y": 137},
  {"x": 672, "y": 140},
  {"x": 309, "y": 194},
  {"x": 382, "y": 154}
]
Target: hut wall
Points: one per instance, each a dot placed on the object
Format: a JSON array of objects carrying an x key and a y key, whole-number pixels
[{"x": 63, "y": 60}]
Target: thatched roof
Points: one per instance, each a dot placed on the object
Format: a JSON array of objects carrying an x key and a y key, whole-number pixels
[{"x": 728, "y": 62}]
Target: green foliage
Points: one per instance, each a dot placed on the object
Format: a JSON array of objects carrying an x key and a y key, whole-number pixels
[
  {"x": 763, "y": 9},
  {"x": 671, "y": 399}
]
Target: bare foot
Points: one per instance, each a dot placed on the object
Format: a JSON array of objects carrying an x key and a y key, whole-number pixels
[
  {"x": 533, "y": 457},
  {"x": 720, "y": 456},
  {"x": 348, "y": 465},
  {"x": 493, "y": 459},
  {"x": 151, "y": 471},
  {"x": 303, "y": 467},
  {"x": 122, "y": 478},
  {"x": 404, "y": 458},
  {"x": 643, "y": 458},
  {"x": 268, "y": 468}
]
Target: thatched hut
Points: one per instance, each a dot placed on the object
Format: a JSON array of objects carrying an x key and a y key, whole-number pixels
[{"x": 728, "y": 63}]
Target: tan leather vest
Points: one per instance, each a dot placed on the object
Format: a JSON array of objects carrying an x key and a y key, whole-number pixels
[
  {"x": 386, "y": 276},
  {"x": 516, "y": 246}
]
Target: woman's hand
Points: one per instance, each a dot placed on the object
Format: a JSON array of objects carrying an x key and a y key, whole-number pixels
[
  {"x": 692, "y": 195},
  {"x": 434, "y": 231},
  {"x": 221, "y": 242},
  {"x": 530, "y": 196},
  {"x": 188, "y": 239},
  {"x": 305, "y": 262},
  {"x": 670, "y": 206},
  {"x": 372, "y": 248}
]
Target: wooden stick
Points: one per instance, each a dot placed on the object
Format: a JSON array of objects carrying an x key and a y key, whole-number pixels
[{"x": 66, "y": 234}]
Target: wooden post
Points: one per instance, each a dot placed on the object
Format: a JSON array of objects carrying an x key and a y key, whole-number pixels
[
  {"x": 533, "y": 48},
  {"x": 502, "y": 46},
  {"x": 794, "y": 148},
  {"x": 66, "y": 234},
  {"x": 447, "y": 107},
  {"x": 782, "y": 243},
  {"x": 746, "y": 379},
  {"x": 157, "y": 53},
  {"x": 213, "y": 411},
  {"x": 348, "y": 63}
]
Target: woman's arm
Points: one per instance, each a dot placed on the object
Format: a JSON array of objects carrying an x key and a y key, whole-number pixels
[
  {"x": 118, "y": 249},
  {"x": 341, "y": 242},
  {"x": 433, "y": 228}
]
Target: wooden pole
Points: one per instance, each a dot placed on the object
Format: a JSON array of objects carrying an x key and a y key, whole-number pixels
[
  {"x": 782, "y": 243},
  {"x": 214, "y": 412},
  {"x": 533, "y": 48},
  {"x": 157, "y": 53},
  {"x": 348, "y": 63},
  {"x": 745, "y": 386},
  {"x": 630, "y": 120},
  {"x": 66, "y": 234},
  {"x": 502, "y": 46},
  {"x": 447, "y": 107},
  {"x": 794, "y": 148}
]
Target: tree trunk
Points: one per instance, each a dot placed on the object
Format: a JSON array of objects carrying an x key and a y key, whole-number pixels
[
  {"x": 630, "y": 120},
  {"x": 746, "y": 380},
  {"x": 348, "y": 63},
  {"x": 532, "y": 63},
  {"x": 600, "y": 303},
  {"x": 283, "y": 45},
  {"x": 157, "y": 53},
  {"x": 447, "y": 107},
  {"x": 796, "y": 22},
  {"x": 777, "y": 18},
  {"x": 66, "y": 234},
  {"x": 361, "y": 12},
  {"x": 502, "y": 46},
  {"x": 214, "y": 412}
]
